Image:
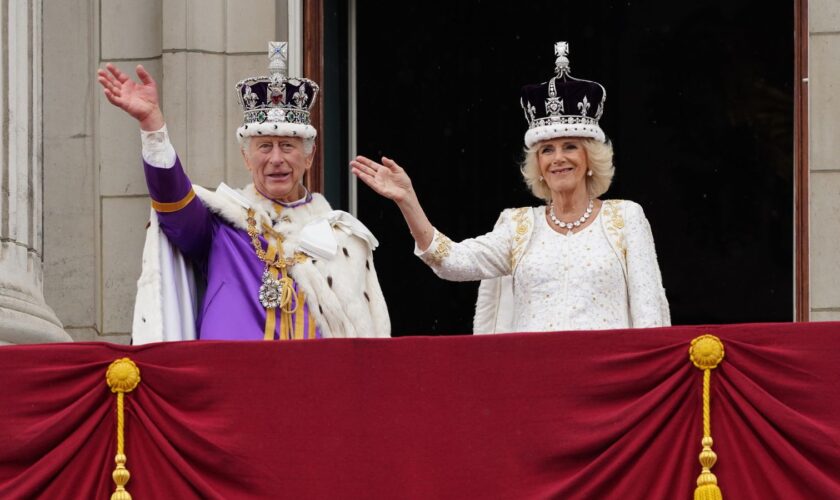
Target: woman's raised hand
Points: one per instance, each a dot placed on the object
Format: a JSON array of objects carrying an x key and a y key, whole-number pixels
[
  {"x": 386, "y": 178},
  {"x": 140, "y": 100},
  {"x": 391, "y": 181}
]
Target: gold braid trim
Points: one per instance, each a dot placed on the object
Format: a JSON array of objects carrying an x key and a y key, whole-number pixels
[
  {"x": 270, "y": 314},
  {"x": 122, "y": 377},
  {"x": 174, "y": 206},
  {"x": 278, "y": 281},
  {"x": 277, "y": 262},
  {"x": 706, "y": 352}
]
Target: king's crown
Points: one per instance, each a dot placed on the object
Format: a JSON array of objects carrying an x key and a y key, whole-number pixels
[{"x": 276, "y": 104}]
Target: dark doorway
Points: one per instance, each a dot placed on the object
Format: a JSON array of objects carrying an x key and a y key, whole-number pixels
[{"x": 699, "y": 109}]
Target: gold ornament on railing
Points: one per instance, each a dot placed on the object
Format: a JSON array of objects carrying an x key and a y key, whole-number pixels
[
  {"x": 122, "y": 377},
  {"x": 706, "y": 352}
]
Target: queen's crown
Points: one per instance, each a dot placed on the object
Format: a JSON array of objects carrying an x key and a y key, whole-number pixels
[{"x": 563, "y": 106}]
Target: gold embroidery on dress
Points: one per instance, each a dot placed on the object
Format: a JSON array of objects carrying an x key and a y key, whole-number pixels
[
  {"x": 523, "y": 227},
  {"x": 441, "y": 250},
  {"x": 615, "y": 223}
]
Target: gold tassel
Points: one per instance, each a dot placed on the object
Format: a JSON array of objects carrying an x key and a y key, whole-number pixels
[
  {"x": 706, "y": 352},
  {"x": 122, "y": 377}
]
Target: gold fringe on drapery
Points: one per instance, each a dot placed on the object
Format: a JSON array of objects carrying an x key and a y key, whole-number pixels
[
  {"x": 122, "y": 377},
  {"x": 706, "y": 352}
]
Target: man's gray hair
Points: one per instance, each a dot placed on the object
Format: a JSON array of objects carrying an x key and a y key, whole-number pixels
[{"x": 308, "y": 144}]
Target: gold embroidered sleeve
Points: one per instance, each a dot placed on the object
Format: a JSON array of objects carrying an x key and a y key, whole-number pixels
[
  {"x": 441, "y": 247},
  {"x": 485, "y": 256}
]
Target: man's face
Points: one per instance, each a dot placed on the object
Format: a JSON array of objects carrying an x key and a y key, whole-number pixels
[{"x": 277, "y": 165}]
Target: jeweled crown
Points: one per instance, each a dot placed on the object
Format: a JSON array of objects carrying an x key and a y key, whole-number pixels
[
  {"x": 563, "y": 106},
  {"x": 276, "y": 104}
]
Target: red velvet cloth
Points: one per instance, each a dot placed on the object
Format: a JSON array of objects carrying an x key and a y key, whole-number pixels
[{"x": 589, "y": 415}]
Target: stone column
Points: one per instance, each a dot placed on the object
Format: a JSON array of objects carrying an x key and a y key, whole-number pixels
[{"x": 24, "y": 316}]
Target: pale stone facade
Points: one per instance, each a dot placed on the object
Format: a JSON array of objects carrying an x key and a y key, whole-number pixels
[
  {"x": 94, "y": 199},
  {"x": 96, "y": 205},
  {"x": 824, "y": 158},
  {"x": 24, "y": 316}
]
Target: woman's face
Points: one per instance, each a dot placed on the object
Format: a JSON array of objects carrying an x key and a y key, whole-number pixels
[
  {"x": 563, "y": 164},
  {"x": 277, "y": 165}
]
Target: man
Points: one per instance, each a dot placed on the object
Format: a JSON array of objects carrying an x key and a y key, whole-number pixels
[{"x": 278, "y": 262}]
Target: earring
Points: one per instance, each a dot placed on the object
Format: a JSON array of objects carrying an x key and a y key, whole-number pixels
[
  {"x": 589, "y": 172},
  {"x": 541, "y": 179}
]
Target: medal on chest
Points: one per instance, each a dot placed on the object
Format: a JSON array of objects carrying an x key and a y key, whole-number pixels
[{"x": 277, "y": 288}]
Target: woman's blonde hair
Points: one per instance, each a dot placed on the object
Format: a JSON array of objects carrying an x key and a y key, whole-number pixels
[{"x": 599, "y": 156}]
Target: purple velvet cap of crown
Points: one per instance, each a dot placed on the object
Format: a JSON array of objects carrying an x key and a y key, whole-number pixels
[
  {"x": 276, "y": 104},
  {"x": 563, "y": 106}
]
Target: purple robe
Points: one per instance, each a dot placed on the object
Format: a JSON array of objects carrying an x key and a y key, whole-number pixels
[{"x": 230, "y": 309}]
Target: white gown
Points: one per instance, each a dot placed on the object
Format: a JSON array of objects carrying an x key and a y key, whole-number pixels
[
  {"x": 605, "y": 276},
  {"x": 569, "y": 282}
]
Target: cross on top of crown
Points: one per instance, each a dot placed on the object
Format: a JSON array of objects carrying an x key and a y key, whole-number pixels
[
  {"x": 561, "y": 50},
  {"x": 277, "y": 57}
]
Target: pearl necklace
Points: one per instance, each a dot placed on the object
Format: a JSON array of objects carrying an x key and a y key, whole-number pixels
[{"x": 571, "y": 225}]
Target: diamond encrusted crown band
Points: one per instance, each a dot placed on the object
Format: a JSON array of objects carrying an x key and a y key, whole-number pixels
[
  {"x": 563, "y": 106},
  {"x": 276, "y": 104}
]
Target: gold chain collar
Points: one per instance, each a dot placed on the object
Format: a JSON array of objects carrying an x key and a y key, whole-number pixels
[
  {"x": 279, "y": 261},
  {"x": 275, "y": 291}
]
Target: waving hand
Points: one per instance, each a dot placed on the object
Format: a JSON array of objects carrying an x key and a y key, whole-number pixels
[
  {"x": 390, "y": 180},
  {"x": 138, "y": 99},
  {"x": 386, "y": 178}
]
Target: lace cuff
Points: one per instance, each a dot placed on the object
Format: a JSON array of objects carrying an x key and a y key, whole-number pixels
[{"x": 157, "y": 151}]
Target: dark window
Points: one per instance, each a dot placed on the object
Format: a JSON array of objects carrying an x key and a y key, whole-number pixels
[{"x": 699, "y": 109}]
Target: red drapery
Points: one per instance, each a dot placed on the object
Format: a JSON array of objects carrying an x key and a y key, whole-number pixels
[{"x": 589, "y": 415}]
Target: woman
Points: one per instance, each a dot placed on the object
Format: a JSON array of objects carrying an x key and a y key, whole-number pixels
[{"x": 576, "y": 263}]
